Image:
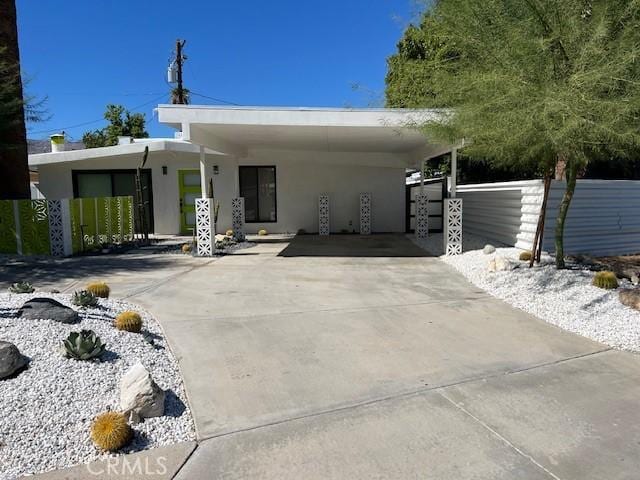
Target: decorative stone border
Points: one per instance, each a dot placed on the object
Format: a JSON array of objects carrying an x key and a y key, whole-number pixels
[
  {"x": 323, "y": 215},
  {"x": 365, "y": 214},
  {"x": 422, "y": 215},
  {"x": 453, "y": 226}
]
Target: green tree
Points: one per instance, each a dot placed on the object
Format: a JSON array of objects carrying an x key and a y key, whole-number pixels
[
  {"x": 121, "y": 123},
  {"x": 14, "y": 181},
  {"x": 549, "y": 83}
]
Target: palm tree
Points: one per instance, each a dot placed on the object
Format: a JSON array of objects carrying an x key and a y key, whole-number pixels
[{"x": 14, "y": 181}]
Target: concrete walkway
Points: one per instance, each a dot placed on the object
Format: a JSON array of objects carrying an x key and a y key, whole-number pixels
[{"x": 383, "y": 363}]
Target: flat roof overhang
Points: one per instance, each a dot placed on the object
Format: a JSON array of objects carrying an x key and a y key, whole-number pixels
[{"x": 236, "y": 130}]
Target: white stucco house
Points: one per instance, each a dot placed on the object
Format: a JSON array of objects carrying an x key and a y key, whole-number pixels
[{"x": 279, "y": 160}]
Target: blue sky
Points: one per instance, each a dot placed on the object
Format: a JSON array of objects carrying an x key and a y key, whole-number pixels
[{"x": 85, "y": 54}]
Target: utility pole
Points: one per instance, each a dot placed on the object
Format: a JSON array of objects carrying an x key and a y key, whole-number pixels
[{"x": 180, "y": 96}]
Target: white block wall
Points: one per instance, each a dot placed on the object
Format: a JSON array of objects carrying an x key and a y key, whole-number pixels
[{"x": 604, "y": 217}]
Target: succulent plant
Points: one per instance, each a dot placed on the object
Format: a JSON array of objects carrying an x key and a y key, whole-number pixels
[
  {"x": 128, "y": 321},
  {"x": 525, "y": 256},
  {"x": 262, "y": 232},
  {"x": 186, "y": 248},
  {"x": 99, "y": 289},
  {"x": 229, "y": 233},
  {"x": 110, "y": 431},
  {"x": 606, "y": 280},
  {"x": 21, "y": 287},
  {"x": 84, "y": 298},
  {"x": 83, "y": 345}
]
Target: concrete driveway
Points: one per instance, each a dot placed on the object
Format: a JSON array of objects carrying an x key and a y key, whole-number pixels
[{"x": 349, "y": 357}]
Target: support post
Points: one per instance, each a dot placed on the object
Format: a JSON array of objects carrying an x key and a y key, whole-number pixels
[
  {"x": 454, "y": 172},
  {"x": 422, "y": 215},
  {"x": 205, "y": 228},
  {"x": 203, "y": 173},
  {"x": 453, "y": 226},
  {"x": 59, "y": 228},
  {"x": 237, "y": 218},
  {"x": 365, "y": 214},
  {"x": 323, "y": 215}
]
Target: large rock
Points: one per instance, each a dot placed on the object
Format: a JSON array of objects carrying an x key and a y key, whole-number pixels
[
  {"x": 635, "y": 278},
  {"x": 500, "y": 264},
  {"x": 11, "y": 360},
  {"x": 140, "y": 396},
  {"x": 488, "y": 249},
  {"x": 630, "y": 297},
  {"x": 48, "y": 308}
]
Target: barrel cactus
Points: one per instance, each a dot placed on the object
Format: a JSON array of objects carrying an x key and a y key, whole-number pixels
[
  {"x": 229, "y": 233},
  {"x": 83, "y": 345},
  {"x": 525, "y": 256},
  {"x": 21, "y": 287},
  {"x": 186, "y": 248},
  {"x": 110, "y": 431},
  {"x": 606, "y": 280},
  {"x": 262, "y": 232},
  {"x": 84, "y": 298},
  {"x": 99, "y": 289},
  {"x": 129, "y": 321}
]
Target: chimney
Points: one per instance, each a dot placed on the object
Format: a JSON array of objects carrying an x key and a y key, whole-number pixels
[{"x": 57, "y": 142}]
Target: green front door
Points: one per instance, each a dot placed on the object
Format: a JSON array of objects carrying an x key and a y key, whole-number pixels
[{"x": 189, "y": 190}]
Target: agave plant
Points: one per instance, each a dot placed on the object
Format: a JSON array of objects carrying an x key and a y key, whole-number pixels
[
  {"x": 83, "y": 345},
  {"x": 84, "y": 298},
  {"x": 21, "y": 287}
]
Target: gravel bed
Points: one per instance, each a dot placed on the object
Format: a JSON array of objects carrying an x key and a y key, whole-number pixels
[
  {"x": 564, "y": 298},
  {"x": 46, "y": 410}
]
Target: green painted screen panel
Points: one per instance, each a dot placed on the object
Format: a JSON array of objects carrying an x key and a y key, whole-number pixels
[
  {"x": 127, "y": 220},
  {"x": 76, "y": 237},
  {"x": 34, "y": 227},
  {"x": 8, "y": 242},
  {"x": 96, "y": 221}
]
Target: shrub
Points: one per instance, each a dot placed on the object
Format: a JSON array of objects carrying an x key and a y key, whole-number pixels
[
  {"x": 110, "y": 431},
  {"x": 83, "y": 345},
  {"x": 605, "y": 280},
  {"x": 262, "y": 232},
  {"x": 229, "y": 233},
  {"x": 84, "y": 298},
  {"x": 128, "y": 321},
  {"x": 525, "y": 256},
  {"x": 99, "y": 289},
  {"x": 302, "y": 231},
  {"x": 187, "y": 248},
  {"x": 21, "y": 287}
]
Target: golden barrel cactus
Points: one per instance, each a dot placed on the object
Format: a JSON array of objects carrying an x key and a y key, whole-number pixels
[
  {"x": 262, "y": 232},
  {"x": 187, "y": 248},
  {"x": 606, "y": 280},
  {"x": 229, "y": 233},
  {"x": 129, "y": 321},
  {"x": 525, "y": 256},
  {"x": 110, "y": 431},
  {"x": 99, "y": 289}
]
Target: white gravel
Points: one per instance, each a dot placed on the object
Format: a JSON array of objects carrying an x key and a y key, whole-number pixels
[
  {"x": 564, "y": 298},
  {"x": 46, "y": 411}
]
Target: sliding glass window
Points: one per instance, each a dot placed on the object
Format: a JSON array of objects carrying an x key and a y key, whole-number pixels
[{"x": 258, "y": 187}]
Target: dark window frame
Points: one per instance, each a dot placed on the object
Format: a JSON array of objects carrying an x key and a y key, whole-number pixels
[
  {"x": 111, "y": 172},
  {"x": 275, "y": 192}
]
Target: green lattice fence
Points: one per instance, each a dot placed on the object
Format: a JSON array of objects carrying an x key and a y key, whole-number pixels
[{"x": 99, "y": 221}]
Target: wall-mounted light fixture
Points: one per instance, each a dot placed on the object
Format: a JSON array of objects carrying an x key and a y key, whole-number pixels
[
  {"x": 164, "y": 169},
  {"x": 216, "y": 170}
]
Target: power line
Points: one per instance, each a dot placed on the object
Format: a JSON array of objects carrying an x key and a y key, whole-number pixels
[
  {"x": 215, "y": 99},
  {"x": 137, "y": 107}
]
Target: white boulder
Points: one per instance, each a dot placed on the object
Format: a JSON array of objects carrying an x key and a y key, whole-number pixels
[
  {"x": 488, "y": 249},
  {"x": 140, "y": 396},
  {"x": 500, "y": 264}
]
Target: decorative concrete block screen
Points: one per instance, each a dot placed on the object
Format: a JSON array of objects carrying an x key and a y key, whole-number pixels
[
  {"x": 237, "y": 217},
  {"x": 205, "y": 226},
  {"x": 63, "y": 227},
  {"x": 365, "y": 214},
  {"x": 323, "y": 215},
  {"x": 453, "y": 226},
  {"x": 422, "y": 215}
]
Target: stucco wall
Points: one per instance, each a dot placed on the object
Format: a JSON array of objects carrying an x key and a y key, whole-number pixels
[{"x": 300, "y": 177}]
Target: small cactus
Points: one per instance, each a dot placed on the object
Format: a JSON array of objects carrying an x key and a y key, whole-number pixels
[
  {"x": 525, "y": 256},
  {"x": 84, "y": 298},
  {"x": 129, "y": 321},
  {"x": 110, "y": 431},
  {"x": 99, "y": 289},
  {"x": 262, "y": 232},
  {"x": 83, "y": 345},
  {"x": 229, "y": 233},
  {"x": 21, "y": 287},
  {"x": 606, "y": 280},
  {"x": 187, "y": 248}
]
